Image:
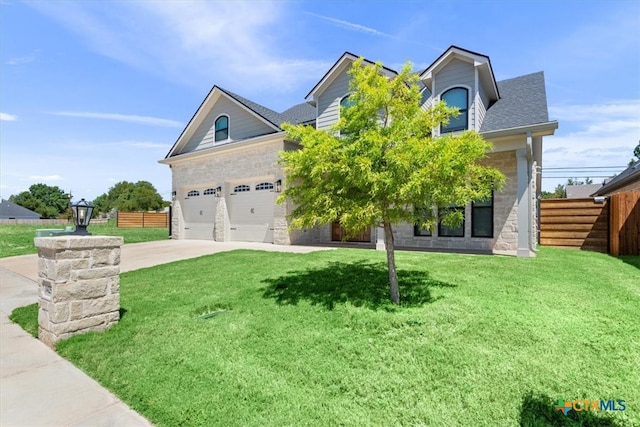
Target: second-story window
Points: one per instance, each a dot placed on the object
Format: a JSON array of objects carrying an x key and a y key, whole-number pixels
[
  {"x": 346, "y": 102},
  {"x": 222, "y": 128},
  {"x": 456, "y": 97}
]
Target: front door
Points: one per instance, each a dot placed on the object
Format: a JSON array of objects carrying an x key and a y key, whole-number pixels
[{"x": 337, "y": 234}]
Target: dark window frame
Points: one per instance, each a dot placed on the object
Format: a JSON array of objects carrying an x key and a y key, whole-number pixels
[
  {"x": 442, "y": 227},
  {"x": 490, "y": 207},
  {"x": 223, "y": 129},
  {"x": 464, "y": 112},
  {"x": 421, "y": 232}
]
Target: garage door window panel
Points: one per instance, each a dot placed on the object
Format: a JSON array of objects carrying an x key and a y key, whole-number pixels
[{"x": 264, "y": 186}]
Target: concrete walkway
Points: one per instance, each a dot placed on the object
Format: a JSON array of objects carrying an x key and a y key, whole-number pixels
[{"x": 38, "y": 387}]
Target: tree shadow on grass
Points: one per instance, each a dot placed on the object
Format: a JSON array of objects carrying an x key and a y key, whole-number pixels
[
  {"x": 539, "y": 410},
  {"x": 361, "y": 284}
]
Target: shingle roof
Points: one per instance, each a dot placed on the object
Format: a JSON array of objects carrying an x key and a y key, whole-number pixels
[
  {"x": 301, "y": 113},
  {"x": 523, "y": 102},
  {"x": 626, "y": 176},
  {"x": 10, "y": 210}
]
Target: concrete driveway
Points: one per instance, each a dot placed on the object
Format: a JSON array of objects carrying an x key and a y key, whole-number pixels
[{"x": 38, "y": 387}]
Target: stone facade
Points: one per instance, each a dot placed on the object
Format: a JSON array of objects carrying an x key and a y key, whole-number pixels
[
  {"x": 505, "y": 219},
  {"x": 78, "y": 285}
]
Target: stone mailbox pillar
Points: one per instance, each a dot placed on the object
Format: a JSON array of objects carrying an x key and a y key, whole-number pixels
[{"x": 78, "y": 285}]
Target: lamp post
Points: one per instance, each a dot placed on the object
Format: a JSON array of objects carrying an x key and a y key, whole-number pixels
[{"x": 82, "y": 212}]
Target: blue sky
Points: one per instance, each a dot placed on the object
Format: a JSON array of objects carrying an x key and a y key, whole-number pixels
[{"x": 96, "y": 92}]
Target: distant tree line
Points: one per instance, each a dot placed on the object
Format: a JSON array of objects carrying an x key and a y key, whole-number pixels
[
  {"x": 53, "y": 202},
  {"x": 560, "y": 192}
]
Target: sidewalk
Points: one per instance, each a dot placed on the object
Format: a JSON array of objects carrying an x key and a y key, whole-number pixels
[{"x": 38, "y": 387}]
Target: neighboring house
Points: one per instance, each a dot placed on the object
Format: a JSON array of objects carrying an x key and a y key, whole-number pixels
[
  {"x": 627, "y": 180},
  {"x": 226, "y": 177},
  {"x": 10, "y": 210},
  {"x": 581, "y": 191}
]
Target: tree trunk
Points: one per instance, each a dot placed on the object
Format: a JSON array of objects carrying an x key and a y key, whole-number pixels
[{"x": 394, "y": 292}]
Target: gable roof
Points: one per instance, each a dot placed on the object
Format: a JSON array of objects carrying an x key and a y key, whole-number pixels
[
  {"x": 346, "y": 59},
  {"x": 480, "y": 61},
  {"x": 10, "y": 210},
  {"x": 301, "y": 113},
  {"x": 523, "y": 102},
  {"x": 627, "y": 176}
]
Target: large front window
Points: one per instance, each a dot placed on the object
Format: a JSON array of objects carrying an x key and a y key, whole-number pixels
[
  {"x": 445, "y": 231},
  {"x": 456, "y": 97},
  {"x": 482, "y": 218}
]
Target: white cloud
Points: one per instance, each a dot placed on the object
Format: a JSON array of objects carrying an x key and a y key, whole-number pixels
[
  {"x": 351, "y": 25},
  {"x": 192, "y": 42},
  {"x": 599, "y": 135},
  {"x": 4, "y": 117},
  {"x": 43, "y": 178},
  {"x": 25, "y": 59},
  {"x": 145, "y": 120}
]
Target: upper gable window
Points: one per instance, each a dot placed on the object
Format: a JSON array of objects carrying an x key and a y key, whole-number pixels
[
  {"x": 346, "y": 102},
  {"x": 456, "y": 97},
  {"x": 222, "y": 128}
]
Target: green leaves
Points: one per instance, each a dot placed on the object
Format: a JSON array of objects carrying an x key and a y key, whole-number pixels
[{"x": 381, "y": 158}]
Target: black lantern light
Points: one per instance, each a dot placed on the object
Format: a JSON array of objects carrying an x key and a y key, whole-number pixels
[
  {"x": 82, "y": 212},
  {"x": 278, "y": 188}
]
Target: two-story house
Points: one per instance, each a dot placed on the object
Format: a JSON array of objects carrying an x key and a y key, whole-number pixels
[{"x": 226, "y": 177}]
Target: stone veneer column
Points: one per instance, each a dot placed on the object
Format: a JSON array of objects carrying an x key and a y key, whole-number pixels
[{"x": 78, "y": 285}]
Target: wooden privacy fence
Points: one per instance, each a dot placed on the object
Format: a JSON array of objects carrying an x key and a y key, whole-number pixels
[
  {"x": 624, "y": 211},
  {"x": 611, "y": 227},
  {"x": 575, "y": 223},
  {"x": 143, "y": 219}
]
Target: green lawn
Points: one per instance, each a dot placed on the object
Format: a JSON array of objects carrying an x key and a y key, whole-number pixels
[
  {"x": 18, "y": 239},
  {"x": 249, "y": 338}
]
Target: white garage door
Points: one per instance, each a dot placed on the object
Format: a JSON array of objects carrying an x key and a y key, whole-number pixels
[
  {"x": 199, "y": 211},
  {"x": 251, "y": 212}
]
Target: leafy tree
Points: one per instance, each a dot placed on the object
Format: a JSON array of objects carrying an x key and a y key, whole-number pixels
[
  {"x": 558, "y": 193},
  {"x": 128, "y": 196},
  {"x": 380, "y": 164},
  {"x": 48, "y": 201},
  {"x": 576, "y": 181},
  {"x": 636, "y": 153}
]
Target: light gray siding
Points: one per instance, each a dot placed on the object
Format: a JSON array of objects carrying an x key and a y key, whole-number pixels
[
  {"x": 481, "y": 103},
  {"x": 458, "y": 73},
  {"x": 242, "y": 125},
  {"x": 329, "y": 101}
]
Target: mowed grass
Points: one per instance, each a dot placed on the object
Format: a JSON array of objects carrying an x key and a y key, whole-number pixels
[
  {"x": 18, "y": 239},
  {"x": 250, "y": 338}
]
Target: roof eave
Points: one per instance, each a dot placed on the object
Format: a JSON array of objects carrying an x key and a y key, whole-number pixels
[
  {"x": 224, "y": 147},
  {"x": 538, "y": 129},
  {"x": 606, "y": 189}
]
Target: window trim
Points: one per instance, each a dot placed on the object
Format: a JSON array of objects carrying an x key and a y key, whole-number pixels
[
  {"x": 462, "y": 225},
  {"x": 215, "y": 132},
  {"x": 465, "y": 111},
  {"x": 473, "y": 220}
]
